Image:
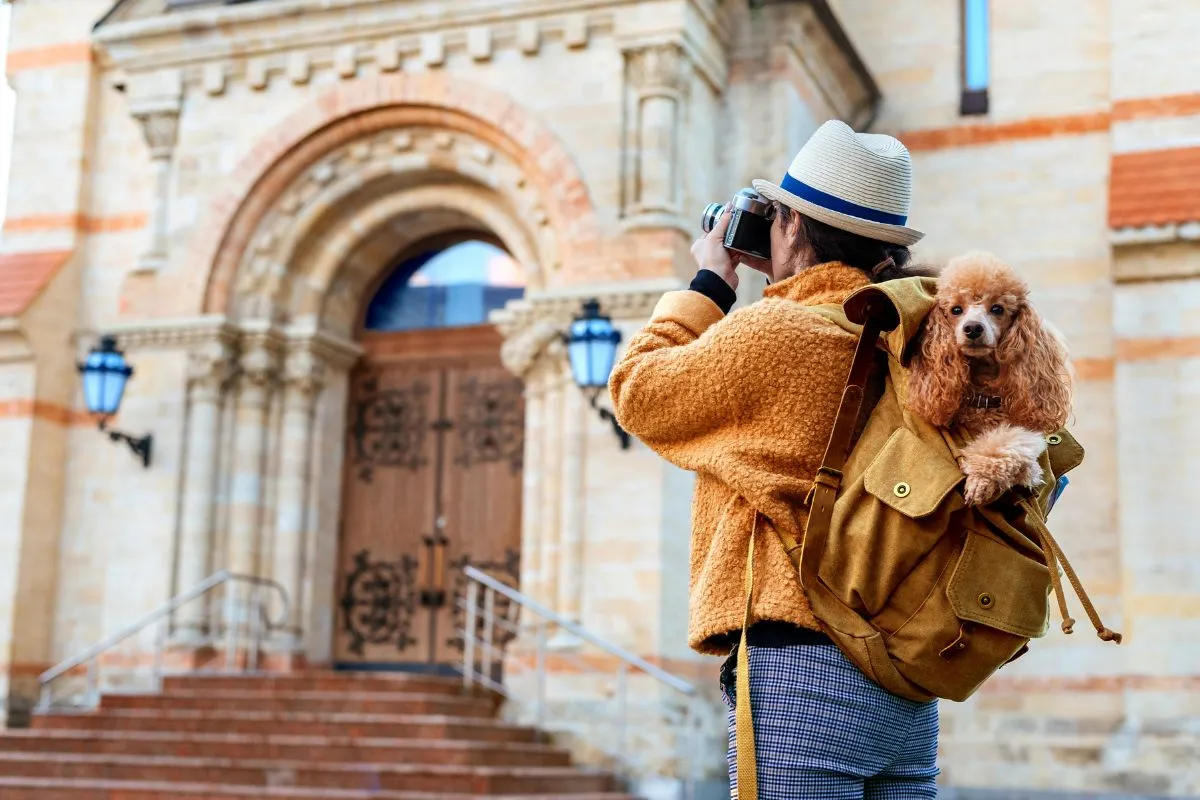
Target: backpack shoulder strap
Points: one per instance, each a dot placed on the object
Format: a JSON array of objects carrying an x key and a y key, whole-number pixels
[{"x": 829, "y": 477}]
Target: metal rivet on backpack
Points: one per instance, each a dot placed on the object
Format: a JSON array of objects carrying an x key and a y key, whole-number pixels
[
  {"x": 1054, "y": 439},
  {"x": 986, "y": 600},
  {"x": 960, "y": 646},
  {"x": 902, "y": 490}
]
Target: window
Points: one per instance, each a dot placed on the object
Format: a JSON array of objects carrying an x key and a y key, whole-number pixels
[
  {"x": 975, "y": 57},
  {"x": 446, "y": 287}
]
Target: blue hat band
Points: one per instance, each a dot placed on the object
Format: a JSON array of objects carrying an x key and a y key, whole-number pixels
[{"x": 828, "y": 201}]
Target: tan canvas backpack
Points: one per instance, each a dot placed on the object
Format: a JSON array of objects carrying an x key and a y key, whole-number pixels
[{"x": 927, "y": 596}]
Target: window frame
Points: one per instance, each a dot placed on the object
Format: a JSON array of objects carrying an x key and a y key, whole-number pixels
[{"x": 973, "y": 102}]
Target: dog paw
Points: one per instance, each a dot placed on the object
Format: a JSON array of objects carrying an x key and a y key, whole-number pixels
[{"x": 979, "y": 490}]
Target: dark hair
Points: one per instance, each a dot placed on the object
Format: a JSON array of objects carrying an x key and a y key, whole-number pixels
[{"x": 833, "y": 244}]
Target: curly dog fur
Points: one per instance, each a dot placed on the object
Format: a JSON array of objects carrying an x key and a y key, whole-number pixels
[{"x": 990, "y": 364}]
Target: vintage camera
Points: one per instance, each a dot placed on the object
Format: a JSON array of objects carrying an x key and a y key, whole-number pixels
[{"x": 749, "y": 230}]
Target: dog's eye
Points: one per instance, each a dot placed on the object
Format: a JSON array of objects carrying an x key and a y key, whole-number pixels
[
  {"x": 998, "y": 310},
  {"x": 956, "y": 311}
]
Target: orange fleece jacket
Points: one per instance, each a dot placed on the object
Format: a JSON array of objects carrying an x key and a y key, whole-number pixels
[{"x": 746, "y": 402}]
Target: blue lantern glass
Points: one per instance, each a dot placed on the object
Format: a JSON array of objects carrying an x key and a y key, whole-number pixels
[
  {"x": 105, "y": 374},
  {"x": 592, "y": 348}
]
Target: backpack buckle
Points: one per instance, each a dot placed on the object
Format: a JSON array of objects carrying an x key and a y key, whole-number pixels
[{"x": 959, "y": 644}]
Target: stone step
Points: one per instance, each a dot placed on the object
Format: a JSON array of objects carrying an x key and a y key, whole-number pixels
[
  {"x": 315, "y": 749},
  {"x": 278, "y": 701},
  {"x": 364, "y": 777},
  {"x": 50, "y": 789},
  {"x": 380, "y": 726},
  {"x": 289, "y": 682}
]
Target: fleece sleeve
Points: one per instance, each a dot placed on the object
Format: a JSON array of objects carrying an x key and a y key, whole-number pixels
[{"x": 683, "y": 379}]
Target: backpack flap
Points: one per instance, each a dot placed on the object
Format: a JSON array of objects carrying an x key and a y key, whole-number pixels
[
  {"x": 996, "y": 586},
  {"x": 909, "y": 477}
]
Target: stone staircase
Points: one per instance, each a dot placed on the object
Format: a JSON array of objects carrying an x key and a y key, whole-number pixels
[{"x": 291, "y": 737}]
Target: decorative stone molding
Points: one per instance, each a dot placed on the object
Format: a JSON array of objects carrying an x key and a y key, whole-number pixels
[
  {"x": 168, "y": 334},
  {"x": 1155, "y": 234},
  {"x": 260, "y": 365},
  {"x": 339, "y": 40}
]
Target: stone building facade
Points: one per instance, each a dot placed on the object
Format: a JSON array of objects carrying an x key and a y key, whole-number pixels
[{"x": 223, "y": 186}]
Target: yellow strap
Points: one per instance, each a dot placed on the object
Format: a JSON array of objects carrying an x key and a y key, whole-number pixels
[{"x": 747, "y": 766}]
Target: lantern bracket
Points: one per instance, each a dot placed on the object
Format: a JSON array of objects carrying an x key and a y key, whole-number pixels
[
  {"x": 141, "y": 446},
  {"x": 610, "y": 417}
]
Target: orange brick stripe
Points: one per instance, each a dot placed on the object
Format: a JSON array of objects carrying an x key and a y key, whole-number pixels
[
  {"x": 1095, "y": 369},
  {"x": 1096, "y": 684},
  {"x": 989, "y": 133},
  {"x": 39, "y": 223},
  {"x": 1175, "y": 105},
  {"x": 1158, "y": 349},
  {"x": 40, "y": 409},
  {"x": 53, "y": 55}
]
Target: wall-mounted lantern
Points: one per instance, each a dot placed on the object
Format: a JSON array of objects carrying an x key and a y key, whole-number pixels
[
  {"x": 592, "y": 350},
  {"x": 105, "y": 373}
]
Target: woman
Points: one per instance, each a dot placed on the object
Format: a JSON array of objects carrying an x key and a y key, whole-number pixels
[{"x": 747, "y": 402}]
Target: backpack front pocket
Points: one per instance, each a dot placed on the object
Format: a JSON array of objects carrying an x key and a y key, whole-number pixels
[{"x": 985, "y": 601}]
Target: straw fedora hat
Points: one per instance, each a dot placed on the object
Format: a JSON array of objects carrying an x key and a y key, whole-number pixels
[{"x": 858, "y": 182}]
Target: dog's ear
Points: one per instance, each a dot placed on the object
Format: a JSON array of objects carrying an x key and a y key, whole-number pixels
[
  {"x": 938, "y": 374},
  {"x": 1035, "y": 374}
]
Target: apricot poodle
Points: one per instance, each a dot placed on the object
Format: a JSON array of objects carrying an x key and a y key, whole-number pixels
[{"x": 989, "y": 364}]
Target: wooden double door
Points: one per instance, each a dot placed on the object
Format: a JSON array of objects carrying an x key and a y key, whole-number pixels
[{"x": 434, "y": 446}]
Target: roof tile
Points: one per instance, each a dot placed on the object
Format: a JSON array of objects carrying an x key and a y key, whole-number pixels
[
  {"x": 1157, "y": 187},
  {"x": 23, "y": 276}
]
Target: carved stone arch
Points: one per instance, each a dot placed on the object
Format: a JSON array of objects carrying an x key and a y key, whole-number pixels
[
  {"x": 357, "y": 207},
  {"x": 493, "y": 144},
  {"x": 340, "y": 270}
]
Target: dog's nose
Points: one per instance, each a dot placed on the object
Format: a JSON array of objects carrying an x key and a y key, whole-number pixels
[{"x": 973, "y": 330}]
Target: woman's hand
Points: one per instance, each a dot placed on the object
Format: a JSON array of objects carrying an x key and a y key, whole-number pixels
[{"x": 710, "y": 252}]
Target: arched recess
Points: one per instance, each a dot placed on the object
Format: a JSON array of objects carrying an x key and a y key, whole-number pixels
[{"x": 377, "y": 137}]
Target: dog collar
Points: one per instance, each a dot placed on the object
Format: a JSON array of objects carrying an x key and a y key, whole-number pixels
[{"x": 978, "y": 400}]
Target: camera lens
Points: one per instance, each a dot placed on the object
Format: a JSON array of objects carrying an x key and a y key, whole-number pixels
[{"x": 711, "y": 216}]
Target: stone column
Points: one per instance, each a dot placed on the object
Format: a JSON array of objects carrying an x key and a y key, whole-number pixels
[
  {"x": 304, "y": 376},
  {"x": 160, "y": 126},
  {"x": 656, "y": 82},
  {"x": 552, "y": 487},
  {"x": 210, "y": 369},
  {"x": 533, "y": 351},
  {"x": 571, "y": 526},
  {"x": 257, "y": 382}
]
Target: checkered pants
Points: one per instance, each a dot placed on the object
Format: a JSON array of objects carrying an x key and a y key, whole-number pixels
[{"x": 825, "y": 732}]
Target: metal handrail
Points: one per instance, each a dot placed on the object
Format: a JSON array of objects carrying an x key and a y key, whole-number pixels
[
  {"x": 161, "y": 613},
  {"x": 492, "y": 654},
  {"x": 525, "y": 601}
]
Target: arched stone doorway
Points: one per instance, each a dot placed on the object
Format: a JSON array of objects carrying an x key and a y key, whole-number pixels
[
  {"x": 325, "y": 218},
  {"x": 434, "y": 455}
]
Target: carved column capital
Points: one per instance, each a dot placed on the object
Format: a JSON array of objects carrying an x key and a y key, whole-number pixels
[
  {"x": 537, "y": 342},
  {"x": 658, "y": 67},
  {"x": 259, "y": 367},
  {"x": 160, "y": 127},
  {"x": 211, "y": 368},
  {"x": 304, "y": 375}
]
